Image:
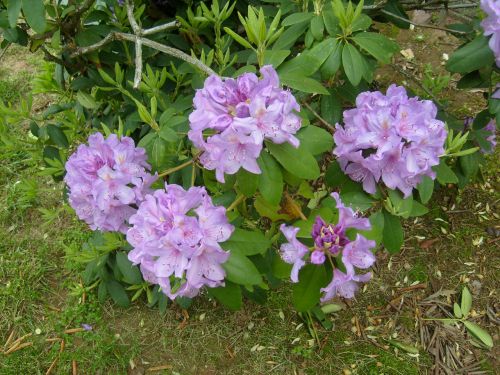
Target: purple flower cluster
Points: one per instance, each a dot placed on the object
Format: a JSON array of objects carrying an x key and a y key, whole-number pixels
[
  {"x": 107, "y": 179},
  {"x": 175, "y": 236},
  {"x": 491, "y": 25},
  {"x": 491, "y": 128},
  {"x": 391, "y": 138},
  {"x": 330, "y": 241},
  {"x": 237, "y": 115}
]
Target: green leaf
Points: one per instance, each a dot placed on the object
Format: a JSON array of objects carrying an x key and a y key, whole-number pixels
[
  {"x": 315, "y": 140},
  {"x": 168, "y": 134},
  {"x": 266, "y": 209},
  {"x": 247, "y": 182},
  {"x": 34, "y": 12},
  {"x": 480, "y": 333},
  {"x": 246, "y": 242},
  {"x": 444, "y": 174},
  {"x": 377, "y": 231},
  {"x": 362, "y": 23},
  {"x": 306, "y": 292},
  {"x": 240, "y": 270},
  {"x": 117, "y": 293},
  {"x": 317, "y": 27},
  {"x": 331, "y": 109},
  {"x": 131, "y": 273},
  {"x": 275, "y": 57},
  {"x": 474, "y": 55},
  {"x": 353, "y": 64},
  {"x": 376, "y": 45},
  {"x": 271, "y": 179},
  {"x": 158, "y": 152},
  {"x": 358, "y": 200},
  {"x": 470, "y": 164},
  {"x": 425, "y": 189},
  {"x": 57, "y": 136},
  {"x": 290, "y": 35},
  {"x": 86, "y": 100},
  {"x": 401, "y": 206},
  {"x": 13, "y": 10},
  {"x": 457, "y": 311},
  {"x": 418, "y": 209},
  {"x": 299, "y": 82},
  {"x": 393, "y": 235},
  {"x": 466, "y": 303},
  {"x": 298, "y": 161},
  {"x": 102, "y": 292},
  {"x": 331, "y": 22},
  {"x": 229, "y": 295},
  {"x": 238, "y": 38},
  {"x": 297, "y": 18}
]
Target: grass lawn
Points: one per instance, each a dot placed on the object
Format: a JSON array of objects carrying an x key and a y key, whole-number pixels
[{"x": 382, "y": 332}]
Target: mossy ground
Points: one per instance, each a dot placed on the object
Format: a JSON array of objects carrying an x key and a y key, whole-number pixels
[{"x": 41, "y": 292}]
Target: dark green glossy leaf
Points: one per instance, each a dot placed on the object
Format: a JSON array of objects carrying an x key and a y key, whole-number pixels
[
  {"x": 131, "y": 273},
  {"x": 247, "y": 182},
  {"x": 246, "y": 242},
  {"x": 229, "y": 295},
  {"x": 472, "y": 56},
  {"x": 444, "y": 174},
  {"x": 393, "y": 235},
  {"x": 306, "y": 293},
  {"x": 376, "y": 45},
  {"x": 353, "y": 64},
  {"x": 34, "y": 11},
  {"x": 57, "y": 136},
  {"x": 315, "y": 140},
  {"x": 298, "y": 161},
  {"x": 117, "y": 293},
  {"x": 241, "y": 270},
  {"x": 271, "y": 179},
  {"x": 425, "y": 189}
]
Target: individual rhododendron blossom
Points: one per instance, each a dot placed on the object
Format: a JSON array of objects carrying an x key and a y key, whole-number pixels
[
  {"x": 331, "y": 242},
  {"x": 491, "y": 25},
  {"x": 107, "y": 179},
  {"x": 233, "y": 117},
  {"x": 491, "y": 128},
  {"x": 175, "y": 236},
  {"x": 391, "y": 138}
]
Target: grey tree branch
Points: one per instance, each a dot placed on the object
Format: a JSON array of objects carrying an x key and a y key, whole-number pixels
[
  {"x": 421, "y": 25},
  {"x": 131, "y": 19},
  {"x": 146, "y": 42},
  {"x": 138, "y": 43},
  {"x": 157, "y": 29}
]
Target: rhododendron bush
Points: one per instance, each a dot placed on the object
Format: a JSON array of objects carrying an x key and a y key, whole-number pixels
[{"x": 227, "y": 148}]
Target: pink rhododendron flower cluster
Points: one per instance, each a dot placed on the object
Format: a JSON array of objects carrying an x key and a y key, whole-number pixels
[
  {"x": 491, "y": 25},
  {"x": 107, "y": 179},
  {"x": 331, "y": 241},
  {"x": 232, "y": 117},
  {"x": 391, "y": 138},
  {"x": 175, "y": 236}
]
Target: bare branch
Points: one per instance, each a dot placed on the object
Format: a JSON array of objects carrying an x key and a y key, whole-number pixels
[
  {"x": 325, "y": 123},
  {"x": 84, "y": 50},
  {"x": 168, "y": 50},
  {"x": 421, "y": 25},
  {"x": 157, "y": 29},
  {"x": 146, "y": 42},
  {"x": 138, "y": 63},
  {"x": 131, "y": 19}
]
